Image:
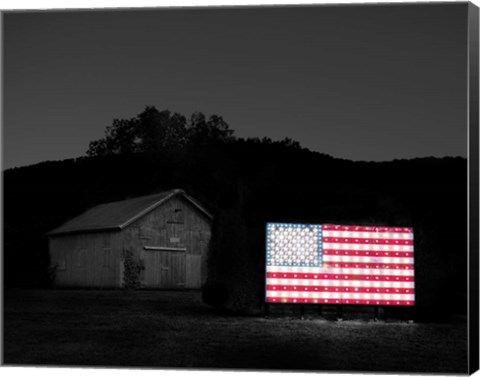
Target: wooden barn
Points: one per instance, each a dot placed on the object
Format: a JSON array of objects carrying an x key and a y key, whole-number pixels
[{"x": 168, "y": 232}]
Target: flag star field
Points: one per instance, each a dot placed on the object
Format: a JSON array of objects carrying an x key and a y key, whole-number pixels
[{"x": 339, "y": 264}]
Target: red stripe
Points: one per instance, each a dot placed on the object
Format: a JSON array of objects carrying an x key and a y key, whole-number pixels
[
  {"x": 339, "y": 301},
  {"x": 308, "y": 288},
  {"x": 356, "y": 228},
  {"x": 364, "y": 253},
  {"x": 373, "y": 241},
  {"x": 387, "y": 266},
  {"x": 323, "y": 276}
]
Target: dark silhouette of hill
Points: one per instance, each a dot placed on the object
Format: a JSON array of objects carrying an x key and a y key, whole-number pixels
[{"x": 247, "y": 183}]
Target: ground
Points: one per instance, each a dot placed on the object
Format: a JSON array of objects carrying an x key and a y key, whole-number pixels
[{"x": 175, "y": 329}]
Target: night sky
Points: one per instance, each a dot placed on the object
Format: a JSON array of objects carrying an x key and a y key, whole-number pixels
[{"x": 362, "y": 82}]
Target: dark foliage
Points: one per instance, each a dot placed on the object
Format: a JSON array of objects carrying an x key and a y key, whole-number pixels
[
  {"x": 247, "y": 183},
  {"x": 154, "y": 131},
  {"x": 132, "y": 270}
]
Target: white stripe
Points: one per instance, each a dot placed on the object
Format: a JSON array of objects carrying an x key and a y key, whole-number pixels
[
  {"x": 377, "y": 296},
  {"x": 375, "y": 235},
  {"x": 340, "y": 295},
  {"x": 367, "y": 247},
  {"x": 307, "y": 282},
  {"x": 305, "y": 270},
  {"x": 300, "y": 294},
  {"x": 354, "y": 271},
  {"x": 372, "y": 271},
  {"x": 342, "y": 283},
  {"x": 367, "y": 259}
]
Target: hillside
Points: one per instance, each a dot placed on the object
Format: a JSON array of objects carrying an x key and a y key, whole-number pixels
[{"x": 247, "y": 183}]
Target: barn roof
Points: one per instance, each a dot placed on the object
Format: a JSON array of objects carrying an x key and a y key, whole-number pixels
[{"x": 118, "y": 215}]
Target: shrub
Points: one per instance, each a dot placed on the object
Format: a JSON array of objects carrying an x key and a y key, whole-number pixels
[
  {"x": 215, "y": 294},
  {"x": 52, "y": 275},
  {"x": 132, "y": 271}
]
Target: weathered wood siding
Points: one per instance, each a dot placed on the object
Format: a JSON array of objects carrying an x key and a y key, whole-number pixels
[
  {"x": 96, "y": 259},
  {"x": 86, "y": 260},
  {"x": 175, "y": 224},
  {"x": 164, "y": 269}
]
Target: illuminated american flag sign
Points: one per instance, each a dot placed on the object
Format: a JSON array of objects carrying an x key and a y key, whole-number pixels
[{"x": 339, "y": 264}]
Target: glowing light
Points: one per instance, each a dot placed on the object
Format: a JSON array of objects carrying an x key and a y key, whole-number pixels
[{"x": 309, "y": 263}]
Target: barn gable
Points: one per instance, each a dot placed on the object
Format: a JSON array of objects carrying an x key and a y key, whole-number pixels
[
  {"x": 169, "y": 232},
  {"x": 118, "y": 215}
]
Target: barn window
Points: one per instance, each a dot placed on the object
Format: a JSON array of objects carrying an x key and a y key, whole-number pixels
[
  {"x": 175, "y": 223},
  {"x": 106, "y": 257},
  {"x": 178, "y": 215}
]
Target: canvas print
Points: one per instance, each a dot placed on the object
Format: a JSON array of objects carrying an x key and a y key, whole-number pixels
[{"x": 263, "y": 188}]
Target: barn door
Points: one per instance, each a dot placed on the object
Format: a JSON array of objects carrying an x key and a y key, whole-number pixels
[
  {"x": 172, "y": 269},
  {"x": 164, "y": 269}
]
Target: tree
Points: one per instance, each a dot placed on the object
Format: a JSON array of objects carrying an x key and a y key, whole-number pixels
[
  {"x": 152, "y": 131},
  {"x": 202, "y": 131}
]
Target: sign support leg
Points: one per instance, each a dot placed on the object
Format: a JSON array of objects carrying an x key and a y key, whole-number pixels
[
  {"x": 411, "y": 314},
  {"x": 339, "y": 312}
]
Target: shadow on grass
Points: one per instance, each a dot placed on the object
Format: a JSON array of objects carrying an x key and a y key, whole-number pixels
[{"x": 175, "y": 329}]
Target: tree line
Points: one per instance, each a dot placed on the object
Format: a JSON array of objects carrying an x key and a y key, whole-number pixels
[{"x": 245, "y": 183}]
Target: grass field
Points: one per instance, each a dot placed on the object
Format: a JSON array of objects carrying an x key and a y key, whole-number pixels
[{"x": 175, "y": 329}]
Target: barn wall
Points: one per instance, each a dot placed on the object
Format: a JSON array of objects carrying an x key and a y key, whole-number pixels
[
  {"x": 86, "y": 260},
  {"x": 176, "y": 224}
]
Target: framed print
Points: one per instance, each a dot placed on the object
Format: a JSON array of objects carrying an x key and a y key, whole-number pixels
[{"x": 261, "y": 188}]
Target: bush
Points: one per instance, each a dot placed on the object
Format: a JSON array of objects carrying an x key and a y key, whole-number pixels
[
  {"x": 132, "y": 271},
  {"x": 215, "y": 294},
  {"x": 52, "y": 275}
]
